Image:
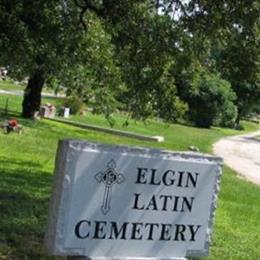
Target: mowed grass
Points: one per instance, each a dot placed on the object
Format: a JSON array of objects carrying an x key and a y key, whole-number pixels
[
  {"x": 26, "y": 176},
  {"x": 14, "y": 103},
  {"x": 9, "y": 85},
  {"x": 177, "y": 137}
]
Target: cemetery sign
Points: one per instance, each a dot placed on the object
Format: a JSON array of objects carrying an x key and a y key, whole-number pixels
[{"x": 121, "y": 202}]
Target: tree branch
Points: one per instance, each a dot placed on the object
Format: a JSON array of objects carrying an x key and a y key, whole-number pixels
[
  {"x": 86, "y": 5},
  {"x": 89, "y": 5}
]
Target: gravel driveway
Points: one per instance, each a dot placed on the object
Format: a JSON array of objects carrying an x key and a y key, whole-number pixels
[{"x": 241, "y": 153}]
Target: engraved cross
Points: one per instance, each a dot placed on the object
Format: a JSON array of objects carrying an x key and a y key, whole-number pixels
[{"x": 109, "y": 177}]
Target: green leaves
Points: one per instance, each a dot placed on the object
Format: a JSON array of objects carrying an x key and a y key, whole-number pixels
[
  {"x": 211, "y": 99},
  {"x": 137, "y": 55}
]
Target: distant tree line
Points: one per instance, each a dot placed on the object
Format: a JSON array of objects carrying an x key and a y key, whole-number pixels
[{"x": 197, "y": 61}]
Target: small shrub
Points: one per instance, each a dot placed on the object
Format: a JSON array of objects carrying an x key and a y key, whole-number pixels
[
  {"x": 210, "y": 100},
  {"x": 74, "y": 103},
  {"x": 227, "y": 115},
  {"x": 239, "y": 127}
]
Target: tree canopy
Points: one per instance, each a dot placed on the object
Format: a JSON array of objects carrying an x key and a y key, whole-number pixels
[{"x": 142, "y": 56}]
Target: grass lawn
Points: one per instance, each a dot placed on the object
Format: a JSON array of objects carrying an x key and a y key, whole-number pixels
[
  {"x": 9, "y": 85},
  {"x": 26, "y": 175},
  {"x": 15, "y": 102},
  {"x": 177, "y": 137}
]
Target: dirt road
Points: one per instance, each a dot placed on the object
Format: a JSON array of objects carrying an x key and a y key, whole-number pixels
[{"x": 241, "y": 153}]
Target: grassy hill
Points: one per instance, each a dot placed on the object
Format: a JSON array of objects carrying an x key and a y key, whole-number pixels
[{"x": 26, "y": 175}]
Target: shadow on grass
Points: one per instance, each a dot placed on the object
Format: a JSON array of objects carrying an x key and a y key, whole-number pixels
[{"x": 24, "y": 198}]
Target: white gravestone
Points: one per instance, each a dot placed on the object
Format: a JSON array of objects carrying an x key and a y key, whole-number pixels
[
  {"x": 131, "y": 203},
  {"x": 66, "y": 112}
]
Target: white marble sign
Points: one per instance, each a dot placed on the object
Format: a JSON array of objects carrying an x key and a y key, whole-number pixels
[{"x": 121, "y": 202}]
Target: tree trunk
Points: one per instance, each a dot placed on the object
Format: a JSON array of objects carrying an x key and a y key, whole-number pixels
[
  {"x": 237, "y": 121},
  {"x": 32, "y": 94},
  {"x": 238, "y": 118}
]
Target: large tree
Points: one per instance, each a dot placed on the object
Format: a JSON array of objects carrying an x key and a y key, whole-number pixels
[
  {"x": 42, "y": 38},
  {"x": 238, "y": 57},
  {"x": 96, "y": 79},
  {"x": 37, "y": 39},
  {"x": 233, "y": 33}
]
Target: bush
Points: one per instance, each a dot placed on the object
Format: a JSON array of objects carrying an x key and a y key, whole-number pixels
[
  {"x": 74, "y": 103},
  {"x": 227, "y": 115},
  {"x": 211, "y": 100},
  {"x": 172, "y": 109}
]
